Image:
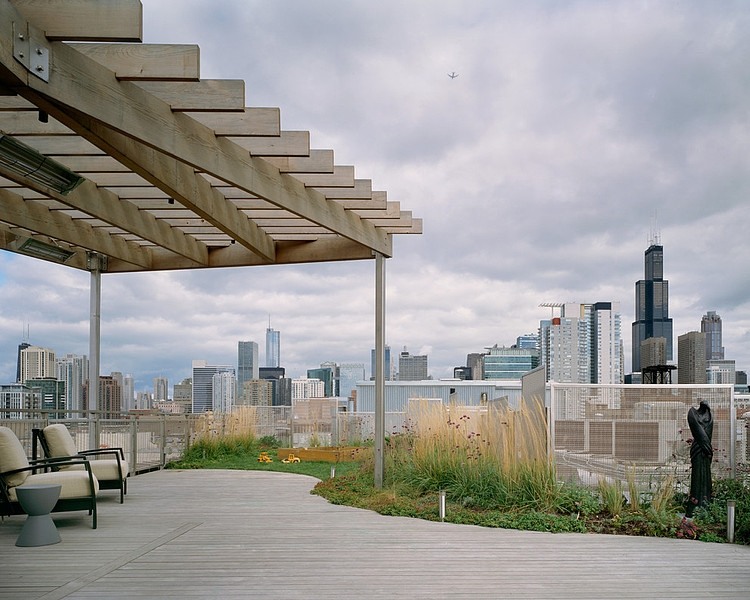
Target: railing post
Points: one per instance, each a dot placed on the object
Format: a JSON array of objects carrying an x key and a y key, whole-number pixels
[
  {"x": 163, "y": 435},
  {"x": 133, "y": 444}
]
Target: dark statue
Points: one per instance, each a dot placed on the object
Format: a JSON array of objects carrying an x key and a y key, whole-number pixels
[{"x": 701, "y": 454}]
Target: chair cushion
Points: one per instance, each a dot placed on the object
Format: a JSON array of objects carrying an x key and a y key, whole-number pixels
[
  {"x": 75, "y": 484},
  {"x": 104, "y": 469},
  {"x": 12, "y": 456},
  {"x": 59, "y": 440}
]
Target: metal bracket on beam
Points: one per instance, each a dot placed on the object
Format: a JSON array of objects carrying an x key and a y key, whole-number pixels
[
  {"x": 96, "y": 261},
  {"x": 32, "y": 52}
]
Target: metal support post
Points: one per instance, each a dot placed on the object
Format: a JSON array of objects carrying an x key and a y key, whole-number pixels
[
  {"x": 95, "y": 303},
  {"x": 379, "y": 374}
]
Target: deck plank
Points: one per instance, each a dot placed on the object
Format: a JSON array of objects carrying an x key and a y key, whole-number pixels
[{"x": 240, "y": 534}]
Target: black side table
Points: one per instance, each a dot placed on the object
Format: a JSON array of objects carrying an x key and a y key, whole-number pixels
[{"x": 37, "y": 501}]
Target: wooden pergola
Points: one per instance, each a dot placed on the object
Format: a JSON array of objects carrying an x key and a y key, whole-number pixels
[{"x": 115, "y": 156}]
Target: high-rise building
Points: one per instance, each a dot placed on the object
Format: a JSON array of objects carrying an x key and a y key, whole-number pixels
[
  {"x": 161, "y": 389},
  {"x": 256, "y": 392},
  {"x": 711, "y": 326},
  {"x": 273, "y": 347},
  {"x": 389, "y": 371},
  {"x": 183, "y": 395},
  {"x": 110, "y": 396},
  {"x": 74, "y": 372},
  {"x": 328, "y": 376},
  {"x": 202, "y": 388},
  {"x": 475, "y": 362},
  {"x": 720, "y": 371},
  {"x": 223, "y": 390},
  {"x": 17, "y": 397},
  {"x": 51, "y": 394},
  {"x": 349, "y": 375},
  {"x": 691, "y": 357},
  {"x": 412, "y": 367},
  {"x": 247, "y": 364},
  {"x": 128, "y": 393},
  {"x": 509, "y": 363},
  {"x": 527, "y": 340},
  {"x": 307, "y": 388},
  {"x": 37, "y": 362},
  {"x": 282, "y": 385},
  {"x": 22, "y": 346},
  {"x": 651, "y": 305},
  {"x": 583, "y": 344}
]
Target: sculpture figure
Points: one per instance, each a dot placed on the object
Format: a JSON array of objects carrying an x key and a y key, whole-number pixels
[{"x": 701, "y": 454}]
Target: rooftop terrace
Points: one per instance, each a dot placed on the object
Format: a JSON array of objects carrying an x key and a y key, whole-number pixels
[{"x": 242, "y": 534}]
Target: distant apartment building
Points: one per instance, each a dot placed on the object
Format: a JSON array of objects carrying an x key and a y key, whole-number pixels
[
  {"x": 202, "y": 384},
  {"x": 307, "y": 388},
  {"x": 223, "y": 390},
  {"x": 583, "y": 344},
  {"x": 73, "y": 370},
  {"x": 128, "y": 392},
  {"x": 182, "y": 395},
  {"x": 109, "y": 396},
  {"x": 412, "y": 367},
  {"x": 15, "y": 398},
  {"x": 256, "y": 392},
  {"x": 51, "y": 394},
  {"x": 509, "y": 363},
  {"x": 711, "y": 326},
  {"x": 37, "y": 362},
  {"x": 282, "y": 385},
  {"x": 691, "y": 357}
]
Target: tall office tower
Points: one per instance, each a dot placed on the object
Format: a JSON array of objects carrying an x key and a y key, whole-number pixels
[
  {"x": 307, "y": 388},
  {"x": 161, "y": 389},
  {"x": 691, "y": 357},
  {"x": 583, "y": 344},
  {"x": 182, "y": 395},
  {"x": 711, "y": 326},
  {"x": 349, "y": 375},
  {"x": 282, "y": 386},
  {"x": 223, "y": 388},
  {"x": 273, "y": 347},
  {"x": 22, "y": 346},
  {"x": 202, "y": 392},
  {"x": 412, "y": 367},
  {"x": 37, "y": 362},
  {"x": 74, "y": 372},
  {"x": 328, "y": 376},
  {"x": 509, "y": 363},
  {"x": 652, "y": 304},
  {"x": 247, "y": 364},
  {"x": 128, "y": 392},
  {"x": 389, "y": 374}
]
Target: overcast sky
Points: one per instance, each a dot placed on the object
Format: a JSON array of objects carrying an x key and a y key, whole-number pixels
[{"x": 573, "y": 132}]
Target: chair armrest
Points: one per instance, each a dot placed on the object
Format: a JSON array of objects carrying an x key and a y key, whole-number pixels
[
  {"x": 103, "y": 451},
  {"x": 50, "y": 462}
]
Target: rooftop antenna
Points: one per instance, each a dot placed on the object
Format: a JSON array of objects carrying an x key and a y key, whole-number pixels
[
  {"x": 654, "y": 237},
  {"x": 26, "y": 334}
]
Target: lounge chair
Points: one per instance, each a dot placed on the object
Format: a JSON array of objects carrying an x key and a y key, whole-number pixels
[
  {"x": 112, "y": 473},
  {"x": 79, "y": 487}
]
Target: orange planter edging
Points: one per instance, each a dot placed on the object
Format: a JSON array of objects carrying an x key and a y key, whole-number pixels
[{"x": 332, "y": 455}]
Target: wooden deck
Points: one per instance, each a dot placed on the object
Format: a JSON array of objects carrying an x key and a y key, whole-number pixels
[{"x": 249, "y": 534}]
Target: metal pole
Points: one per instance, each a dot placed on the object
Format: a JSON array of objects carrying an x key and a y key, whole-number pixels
[
  {"x": 95, "y": 303},
  {"x": 379, "y": 374}
]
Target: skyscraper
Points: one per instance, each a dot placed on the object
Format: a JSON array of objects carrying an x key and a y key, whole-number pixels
[
  {"x": 74, "y": 371},
  {"x": 691, "y": 357},
  {"x": 711, "y": 326},
  {"x": 37, "y": 362},
  {"x": 273, "y": 347},
  {"x": 388, "y": 366},
  {"x": 247, "y": 364},
  {"x": 583, "y": 344},
  {"x": 651, "y": 305},
  {"x": 202, "y": 391},
  {"x": 412, "y": 367},
  {"x": 349, "y": 375}
]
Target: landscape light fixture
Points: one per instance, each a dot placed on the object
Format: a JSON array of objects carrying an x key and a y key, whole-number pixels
[
  {"x": 37, "y": 249},
  {"x": 28, "y": 162}
]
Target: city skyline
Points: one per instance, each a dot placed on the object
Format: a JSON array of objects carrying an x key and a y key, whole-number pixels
[{"x": 537, "y": 172}]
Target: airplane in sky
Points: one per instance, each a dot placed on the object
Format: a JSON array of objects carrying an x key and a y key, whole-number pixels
[{"x": 452, "y": 75}]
